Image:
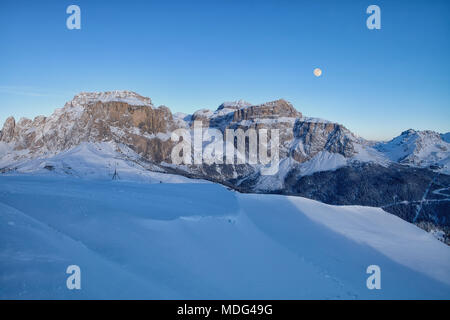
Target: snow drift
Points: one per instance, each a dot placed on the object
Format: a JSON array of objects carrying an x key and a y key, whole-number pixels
[{"x": 202, "y": 241}]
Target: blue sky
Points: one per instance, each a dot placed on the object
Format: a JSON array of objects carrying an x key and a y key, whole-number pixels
[{"x": 196, "y": 54}]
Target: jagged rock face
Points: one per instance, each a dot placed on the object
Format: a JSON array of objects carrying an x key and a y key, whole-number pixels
[
  {"x": 85, "y": 119},
  {"x": 314, "y": 135},
  {"x": 318, "y": 136},
  {"x": 202, "y": 115},
  {"x": 122, "y": 115},
  {"x": 135, "y": 126},
  {"x": 8, "y": 130},
  {"x": 234, "y": 105},
  {"x": 270, "y": 110},
  {"x": 129, "y": 97}
]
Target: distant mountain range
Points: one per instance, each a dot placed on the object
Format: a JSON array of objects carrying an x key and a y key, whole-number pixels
[{"x": 96, "y": 134}]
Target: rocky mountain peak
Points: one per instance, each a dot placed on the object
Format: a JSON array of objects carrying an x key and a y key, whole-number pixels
[
  {"x": 412, "y": 136},
  {"x": 129, "y": 97},
  {"x": 422, "y": 134},
  {"x": 7, "y": 132},
  {"x": 234, "y": 105},
  {"x": 274, "y": 109},
  {"x": 408, "y": 132},
  {"x": 422, "y": 148}
]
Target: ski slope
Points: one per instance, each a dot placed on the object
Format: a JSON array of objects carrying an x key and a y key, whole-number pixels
[{"x": 135, "y": 240}]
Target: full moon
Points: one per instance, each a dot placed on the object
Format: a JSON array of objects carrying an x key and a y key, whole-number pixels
[{"x": 317, "y": 72}]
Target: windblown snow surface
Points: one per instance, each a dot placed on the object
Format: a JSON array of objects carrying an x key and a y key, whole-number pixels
[{"x": 202, "y": 241}]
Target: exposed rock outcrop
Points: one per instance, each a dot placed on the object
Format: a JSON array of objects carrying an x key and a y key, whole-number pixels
[
  {"x": 8, "y": 130},
  {"x": 270, "y": 110}
]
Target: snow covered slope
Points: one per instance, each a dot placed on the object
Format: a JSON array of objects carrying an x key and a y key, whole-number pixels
[
  {"x": 189, "y": 241},
  {"x": 97, "y": 161},
  {"x": 446, "y": 137}
]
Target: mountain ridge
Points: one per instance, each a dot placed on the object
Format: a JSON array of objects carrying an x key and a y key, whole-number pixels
[{"x": 308, "y": 148}]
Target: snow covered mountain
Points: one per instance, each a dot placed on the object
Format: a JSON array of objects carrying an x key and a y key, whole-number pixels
[
  {"x": 136, "y": 240},
  {"x": 128, "y": 118},
  {"x": 124, "y": 132},
  {"x": 420, "y": 148}
]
